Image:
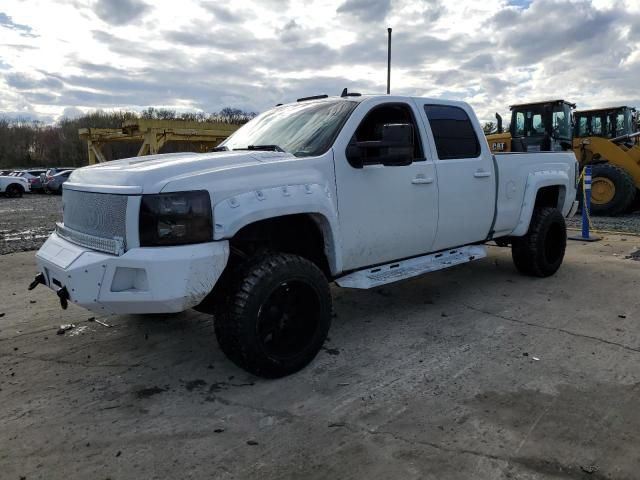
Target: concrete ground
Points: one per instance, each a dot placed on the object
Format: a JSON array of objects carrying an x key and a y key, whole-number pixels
[{"x": 471, "y": 373}]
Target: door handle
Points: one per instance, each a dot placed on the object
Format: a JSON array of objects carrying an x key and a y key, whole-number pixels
[
  {"x": 482, "y": 174},
  {"x": 420, "y": 180}
]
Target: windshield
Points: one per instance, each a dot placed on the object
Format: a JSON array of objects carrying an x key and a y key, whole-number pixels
[{"x": 304, "y": 129}]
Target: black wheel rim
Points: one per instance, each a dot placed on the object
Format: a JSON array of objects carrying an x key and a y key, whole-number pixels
[
  {"x": 12, "y": 191},
  {"x": 288, "y": 320},
  {"x": 553, "y": 243}
]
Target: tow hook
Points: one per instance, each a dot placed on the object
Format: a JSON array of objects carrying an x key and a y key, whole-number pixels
[
  {"x": 63, "y": 294},
  {"x": 39, "y": 279}
]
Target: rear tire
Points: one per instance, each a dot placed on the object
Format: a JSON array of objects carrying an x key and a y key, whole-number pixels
[
  {"x": 14, "y": 191},
  {"x": 541, "y": 251},
  {"x": 276, "y": 315},
  {"x": 612, "y": 190}
]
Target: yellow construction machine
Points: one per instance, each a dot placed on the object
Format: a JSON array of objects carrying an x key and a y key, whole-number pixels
[
  {"x": 604, "y": 138},
  {"x": 607, "y": 139},
  {"x": 535, "y": 127}
]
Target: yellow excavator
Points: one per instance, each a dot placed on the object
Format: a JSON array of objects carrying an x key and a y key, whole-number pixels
[{"x": 605, "y": 138}]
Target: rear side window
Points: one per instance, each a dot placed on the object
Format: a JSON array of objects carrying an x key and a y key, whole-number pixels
[{"x": 452, "y": 131}]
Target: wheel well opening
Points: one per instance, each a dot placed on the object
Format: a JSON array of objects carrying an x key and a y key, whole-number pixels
[
  {"x": 549, "y": 197},
  {"x": 297, "y": 234}
]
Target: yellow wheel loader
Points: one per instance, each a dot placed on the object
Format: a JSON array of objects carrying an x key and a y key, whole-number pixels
[
  {"x": 603, "y": 138},
  {"x": 607, "y": 139}
]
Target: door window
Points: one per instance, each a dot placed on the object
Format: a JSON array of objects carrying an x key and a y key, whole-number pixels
[
  {"x": 453, "y": 132},
  {"x": 519, "y": 124},
  {"x": 538, "y": 127},
  {"x": 560, "y": 124},
  {"x": 620, "y": 125},
  {"x": 372, "y": 129}
]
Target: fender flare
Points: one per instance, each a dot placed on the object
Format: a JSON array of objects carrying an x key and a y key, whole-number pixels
[
  {"x": 535, "y": 182},
  {"x": 233, "y": 213}
]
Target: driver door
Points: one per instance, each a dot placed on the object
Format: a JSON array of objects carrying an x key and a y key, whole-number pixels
[{"x": 386, "y": 212}]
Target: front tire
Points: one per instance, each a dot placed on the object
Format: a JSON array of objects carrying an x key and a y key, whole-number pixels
[
  {"x": 276, "y": 315},
  {"x": 612, "y": 189},
  {"x": 541, "y": 251},
  {"x": 14, "y": 191}
]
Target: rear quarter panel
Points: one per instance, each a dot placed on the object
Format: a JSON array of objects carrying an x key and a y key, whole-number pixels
[{"x": 520, "y": 177}]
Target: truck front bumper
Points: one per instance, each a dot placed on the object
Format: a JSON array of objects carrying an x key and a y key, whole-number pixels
[{"x": 143, "y": 280}]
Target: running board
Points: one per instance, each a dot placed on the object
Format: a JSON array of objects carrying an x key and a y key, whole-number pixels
[{"x": 396, "y": 271}]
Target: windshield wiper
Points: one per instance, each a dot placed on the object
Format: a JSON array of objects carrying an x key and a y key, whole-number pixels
[
  {"x": 268, "y": 148},
  {"x": 220, "y": 148}
]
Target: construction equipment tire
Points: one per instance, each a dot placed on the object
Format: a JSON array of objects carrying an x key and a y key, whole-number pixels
[{"x": 612, "y": 190}]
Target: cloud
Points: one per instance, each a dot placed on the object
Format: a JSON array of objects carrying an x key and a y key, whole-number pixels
[
  {"x": 223, "y": 14},
  {"x": 71, "y": 113},
  {"x": 484, "y": 62},
  {"x": 23, "y": 30},
  {"x": 120, "y": 12},
  {"x": 366, "y": 10},
  {"x": 21, "y": 81},
  {"x": 252, "y": 54}
]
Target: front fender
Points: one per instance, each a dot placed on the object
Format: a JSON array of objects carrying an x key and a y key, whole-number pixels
[
  {"x": 234, "y": 213},
  {"x": 536, "y": 181}
]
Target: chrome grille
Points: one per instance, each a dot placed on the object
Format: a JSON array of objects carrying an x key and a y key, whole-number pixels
[{"x": 101, "y": 215}]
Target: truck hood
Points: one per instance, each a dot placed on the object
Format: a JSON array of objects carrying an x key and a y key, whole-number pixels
[{"x": 149, "y": 174}]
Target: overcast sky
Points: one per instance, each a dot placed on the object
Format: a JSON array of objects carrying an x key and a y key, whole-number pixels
[{"x": 61, "y": 57}]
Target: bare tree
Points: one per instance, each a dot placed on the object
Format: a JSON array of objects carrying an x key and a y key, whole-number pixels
[{"x": 25, "y": 143}]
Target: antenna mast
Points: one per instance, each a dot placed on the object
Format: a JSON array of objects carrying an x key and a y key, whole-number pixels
[{"x": 389, "y": 62}]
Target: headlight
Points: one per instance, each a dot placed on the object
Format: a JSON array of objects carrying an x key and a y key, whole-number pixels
[{"x": 175, "y": 219}]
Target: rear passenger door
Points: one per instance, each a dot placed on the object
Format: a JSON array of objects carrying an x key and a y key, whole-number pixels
[{"x": 466, "y": 181}]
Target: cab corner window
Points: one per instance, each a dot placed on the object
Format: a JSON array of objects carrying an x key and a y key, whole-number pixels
[
  {"x": 453, "y": 132},
  {"x": 388, "y": 135}
]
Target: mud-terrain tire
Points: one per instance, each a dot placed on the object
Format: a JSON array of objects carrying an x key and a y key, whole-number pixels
[
  {"x": 276, "y": 315},
  {"x": 541, "y": 251},
  {"x": 14, "y": 191},
  {"x": 612, "y": 190}
]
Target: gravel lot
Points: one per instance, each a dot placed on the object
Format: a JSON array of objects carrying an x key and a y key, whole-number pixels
[
  {"x": 629, "y": 222},
  {"x": 26, "y": 222}
]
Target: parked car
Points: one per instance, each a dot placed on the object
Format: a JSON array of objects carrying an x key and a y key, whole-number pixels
[
  {"x": 33, "y": 177},
  {"x": 357, "y": 190},
  {"x": 13, "y": 186},
  {"x": 53, "y": 183},
  {"x": 52, "y": 171}
]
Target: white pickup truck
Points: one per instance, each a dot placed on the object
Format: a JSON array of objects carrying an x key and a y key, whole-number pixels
[
  {"x": 356, "y": 190},
  {"x": 13, "y": 186}
]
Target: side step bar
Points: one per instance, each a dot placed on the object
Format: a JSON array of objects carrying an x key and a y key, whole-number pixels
[{"x": 413, "y": 267}]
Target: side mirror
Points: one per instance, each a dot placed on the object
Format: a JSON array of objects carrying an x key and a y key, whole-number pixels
[
  {"x": 394, "y": 149},
  {"x": 354, "y": 154}
]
